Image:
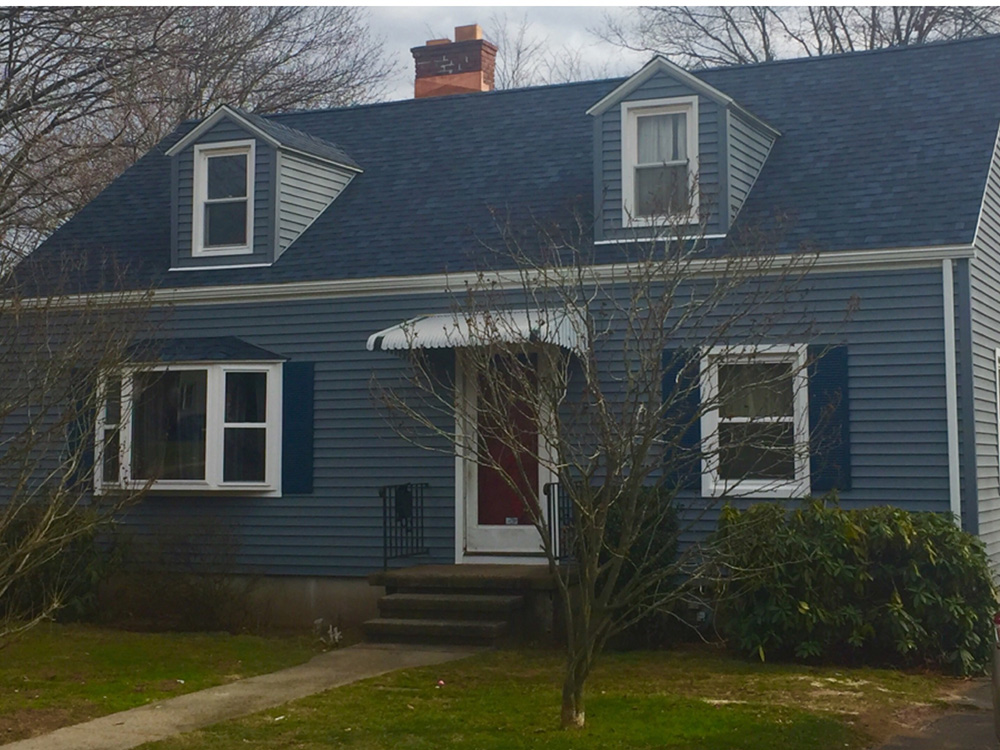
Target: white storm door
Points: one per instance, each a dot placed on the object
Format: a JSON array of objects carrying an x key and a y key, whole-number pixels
[{"x": 497, "y": 475}]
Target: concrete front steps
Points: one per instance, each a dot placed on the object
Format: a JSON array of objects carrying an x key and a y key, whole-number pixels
[{"x": 484, "y": 605}]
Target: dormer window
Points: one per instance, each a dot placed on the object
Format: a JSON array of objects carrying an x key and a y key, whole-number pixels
[
  {"x": 659, "y": 156},
  {"x": 223, "y": 198}
]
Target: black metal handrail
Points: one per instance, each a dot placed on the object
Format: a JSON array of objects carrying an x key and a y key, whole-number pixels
[
  {"x": 561, "y": 528},
  {"x": 402, "y": 521}
]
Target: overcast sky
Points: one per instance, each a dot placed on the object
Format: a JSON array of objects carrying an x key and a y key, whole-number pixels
[{"x": 406, "y": 27}]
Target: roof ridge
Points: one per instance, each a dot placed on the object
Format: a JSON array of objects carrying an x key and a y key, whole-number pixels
[
  {"x": 852, "y": 54},
  {"x": 618, "y": 79},
  {"x": 452, "y": 97}
]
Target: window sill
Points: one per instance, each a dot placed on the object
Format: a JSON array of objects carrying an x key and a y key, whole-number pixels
[
  {"x": 755, "y": 488},
  {"x": 663, "y": 222},
  {"x": 227, "y": 267},
  {"x": 213, "y": 252},
  {"x": 194, "y": 487}
]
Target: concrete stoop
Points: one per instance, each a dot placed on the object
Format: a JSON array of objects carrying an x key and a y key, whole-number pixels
[{"x": 484, "y": 605}]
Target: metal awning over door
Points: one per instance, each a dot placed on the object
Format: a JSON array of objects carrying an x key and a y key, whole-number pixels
[{"x": 563, "y": 328}]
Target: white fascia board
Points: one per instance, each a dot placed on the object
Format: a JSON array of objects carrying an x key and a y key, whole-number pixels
[
  {"x": 836, "y": 261},
  {"x": 754, "y": 119},
  {"x": 232, "y": 267},
  {"x": 314, "y": 157},
  {"x": 209, "y": 122},
  {"x": 656, "y": 65},
  {"x": 224, "y": 111},
  {"x": 661, "y": 64}
]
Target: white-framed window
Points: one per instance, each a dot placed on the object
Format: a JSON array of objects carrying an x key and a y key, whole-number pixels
[
  {"x": 222, "y": 219},
  {"x": 659, "y": 161},
  {"x": 193, "y": 427},
  {"x": 755, "y": 427}
]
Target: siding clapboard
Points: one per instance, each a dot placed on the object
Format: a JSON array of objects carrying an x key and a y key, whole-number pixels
[
  {"x": 748, "y": 149},
  {"x": 897, "y": 420},
  {"x": 985, "y": 283},
  {"x": 609, "y": 177},
  {"x": 305, "y": 188},
  {"x": 263, "y": 201}
]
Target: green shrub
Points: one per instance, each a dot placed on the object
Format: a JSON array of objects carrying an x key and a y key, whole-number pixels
[
  {"x": 184, "y": 577},
  {"x": 88, "y": 553},
  {"x": 656, "y": 544},
  {"x": 877, "y": 585}
]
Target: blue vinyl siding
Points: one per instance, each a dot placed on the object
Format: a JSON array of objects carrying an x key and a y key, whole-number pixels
[
  {"x": 711, "y": 171},
  {"x": 263, "y": 201},
  {"x": 748, "y": 149},
  {"x": 337, "y": 529},
  {"x": 897, "y": 420},
  {"x": 305, "y": 188},
  {"x": 985, "y": 283}
]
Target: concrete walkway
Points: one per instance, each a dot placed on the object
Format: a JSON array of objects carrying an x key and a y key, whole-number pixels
[
  {"x": 184, "y": 713},
  {"x": 970, "y": 728}
]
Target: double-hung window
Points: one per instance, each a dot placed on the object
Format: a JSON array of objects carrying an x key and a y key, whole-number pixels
[
  {"x": 659, "y": 151},
  {"x": 755, "y": 426},
  {"x": 193, "y": 427},
  {"x": 222, "y": 221}
]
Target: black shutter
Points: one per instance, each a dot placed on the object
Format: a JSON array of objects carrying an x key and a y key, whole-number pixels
[
  {"x": 829, "y": 412},
  {"x": 80, "y": 430},
  {"x": 680, "y": 373},
  {"x": 297, "y": 428}
]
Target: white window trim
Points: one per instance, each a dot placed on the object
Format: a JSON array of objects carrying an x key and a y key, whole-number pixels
[
  {"x": 214, "y": 434},
  {"x": 630, "y": 112},
  {"x": 202, "y": 153},
  {"x": 711, "y": 484}
]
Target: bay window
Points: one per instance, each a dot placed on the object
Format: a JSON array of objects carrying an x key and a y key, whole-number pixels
[{"x": 192, "y": 427}]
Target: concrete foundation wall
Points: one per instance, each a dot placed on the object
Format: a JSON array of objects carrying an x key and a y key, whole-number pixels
[{"x": 297, "y": 601}]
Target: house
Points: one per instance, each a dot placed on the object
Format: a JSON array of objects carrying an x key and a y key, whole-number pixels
[{"x": 290, "y": 248}]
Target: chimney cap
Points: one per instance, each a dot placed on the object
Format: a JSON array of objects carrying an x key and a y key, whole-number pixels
[
  {"x": 468, "y": 33},
  {"x": 432, "y": 42}
]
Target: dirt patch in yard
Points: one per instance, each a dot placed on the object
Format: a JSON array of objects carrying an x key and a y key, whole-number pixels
[
  {"x": 911, "y": 719},
  {"x": 31, "y": 722}
]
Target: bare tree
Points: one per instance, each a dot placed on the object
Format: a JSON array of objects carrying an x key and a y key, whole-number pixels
[
  {"x": 703, "y": 36},
  {"x": 613, "y": 367},
  {"x": 519, "y": 51},
  {"x": 87, "y": 90},
  {"x": 526, "y": 58},
  {"x": 56, "y": 353}
]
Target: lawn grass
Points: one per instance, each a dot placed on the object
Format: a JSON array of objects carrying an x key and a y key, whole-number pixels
[
  {"x": 687, "y": 699},
  {"x": 57, "y": 675}
]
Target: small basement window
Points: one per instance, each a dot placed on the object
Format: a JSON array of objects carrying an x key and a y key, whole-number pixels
[
  {"x": 659, "y": 151},
  {"x": 222, "y": 220},
  {"x": 192, "y": 427},
  {"x": 756, "y": 422}
]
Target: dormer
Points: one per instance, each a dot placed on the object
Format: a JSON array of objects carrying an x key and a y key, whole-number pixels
[
  {"x": 245, "y": 187},
  {"x": 672, "y": 151}
]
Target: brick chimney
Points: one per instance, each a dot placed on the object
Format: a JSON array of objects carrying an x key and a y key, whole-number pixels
[{"x": 445, "y": 67}]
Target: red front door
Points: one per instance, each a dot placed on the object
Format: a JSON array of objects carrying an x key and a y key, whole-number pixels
[
  {"x": 500, "y": 485},
  {"x": 508, "y": 450}
]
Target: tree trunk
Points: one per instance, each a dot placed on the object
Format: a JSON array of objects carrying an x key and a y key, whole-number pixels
[{"x": 572, "y": 701}]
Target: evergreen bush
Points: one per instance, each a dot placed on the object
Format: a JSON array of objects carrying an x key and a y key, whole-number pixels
[{"x": 878, "y": 585}]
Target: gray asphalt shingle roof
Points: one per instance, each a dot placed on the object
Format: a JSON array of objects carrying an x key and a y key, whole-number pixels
[
  {"x": 881, "y": 149},
  {"x": 298, "y": 140},
  {"x": 204, "y": 349}
]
